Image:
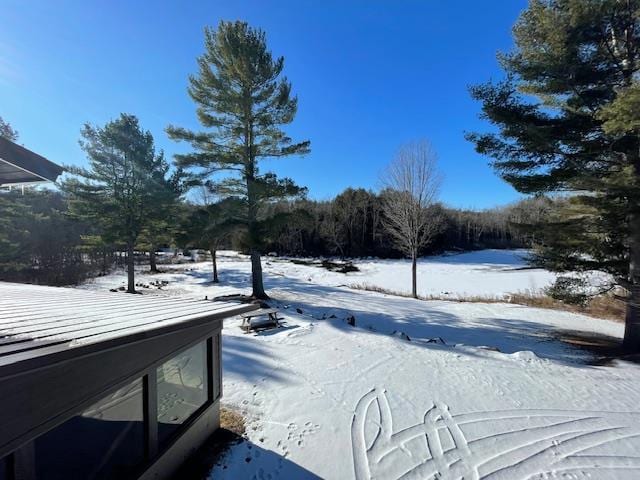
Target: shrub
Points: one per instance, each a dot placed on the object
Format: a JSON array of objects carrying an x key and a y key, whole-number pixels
[{"x": 571, "y": 290}]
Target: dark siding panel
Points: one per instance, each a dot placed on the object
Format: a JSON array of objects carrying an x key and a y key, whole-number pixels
[{"x": 71, "y": 385}]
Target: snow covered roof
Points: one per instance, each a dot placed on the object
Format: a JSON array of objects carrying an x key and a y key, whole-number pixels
[
  {"x": 19, "y": 166},
  {"x": 37, "y": 322}
]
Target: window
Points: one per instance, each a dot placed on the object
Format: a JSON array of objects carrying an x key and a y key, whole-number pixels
[
  {"x": 216, "y": 360},
  {"x": 105, "y": 441},
  {"x": 182, "y": 389},
  {"x": 5, "y": 465}
]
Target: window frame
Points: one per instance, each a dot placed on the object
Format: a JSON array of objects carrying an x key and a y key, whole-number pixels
[
  {"x": 150, "y": 380},
  {"x": 16, "y": 461}
]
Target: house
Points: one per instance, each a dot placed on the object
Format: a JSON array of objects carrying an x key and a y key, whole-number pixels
[{"x": 102, "y": 385}]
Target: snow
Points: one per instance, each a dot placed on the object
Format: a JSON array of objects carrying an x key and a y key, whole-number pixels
[
  {"x": 417, "y": 389},
  {"x": 487, "y": 273}
]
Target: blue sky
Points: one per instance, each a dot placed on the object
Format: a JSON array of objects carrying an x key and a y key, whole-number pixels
[{"x": 370, "y": 75}]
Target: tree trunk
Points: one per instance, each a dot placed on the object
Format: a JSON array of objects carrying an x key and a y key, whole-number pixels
[
  {"x": 215, "y": 265},
  {"x": 152, "y": 260},
  {"x": 631, "y": 340},
  {"x": 414, "y": 279},
  {"x": 632, "y": 319},
  {"x": 256, "y": 278},
  {"x": 131, "y": 285}
]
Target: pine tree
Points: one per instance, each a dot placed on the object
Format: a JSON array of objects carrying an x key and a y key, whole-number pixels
[
  {"x": 243, "y": 100},
  {"x": 13, "y": 235},
  {"x": 7, "y": 131},
  {"x": 119, "y": 188},
  {"x": 568, "y": 121},
  {"x": 163, "y": 217},
  {"x": 211, "y": 226}
]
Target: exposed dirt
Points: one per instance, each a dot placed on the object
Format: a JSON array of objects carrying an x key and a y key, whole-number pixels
[{"x": 231, "y": 432}]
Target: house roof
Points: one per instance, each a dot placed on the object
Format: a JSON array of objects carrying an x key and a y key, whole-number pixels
[
  {"x": 39, "y": 323},
  {"x": 19, "y": 166}
]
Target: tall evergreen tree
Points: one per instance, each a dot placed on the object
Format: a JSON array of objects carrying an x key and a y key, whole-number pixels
[
  {"x": 120, "y": 189},
  {"x": 567, "y": 120},
  {"x": 243, "y": 101},
  {"x": 7, "y": 131},
  {"x": 13, "y": 235},
  {"x": 163, "y": 217}
]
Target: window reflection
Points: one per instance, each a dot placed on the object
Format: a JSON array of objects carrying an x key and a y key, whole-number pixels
[
  {"x": 105, "y": 441},
  {"x": 5, "y": 474},
  {"x": 182, "y": 389}
]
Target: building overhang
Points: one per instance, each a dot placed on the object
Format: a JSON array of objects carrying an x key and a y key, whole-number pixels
[{"x": 21, "y": 166}]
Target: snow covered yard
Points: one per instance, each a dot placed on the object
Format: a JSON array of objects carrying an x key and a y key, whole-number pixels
[{"x": 328, "y": 400}]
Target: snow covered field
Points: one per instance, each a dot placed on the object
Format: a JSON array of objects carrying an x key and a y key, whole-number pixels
[
  {"x": 487, "y": 273},
  {"x": 328, "y": 400}
]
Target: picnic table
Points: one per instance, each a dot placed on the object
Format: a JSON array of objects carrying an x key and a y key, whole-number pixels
[{"x": 269, "y": 318}]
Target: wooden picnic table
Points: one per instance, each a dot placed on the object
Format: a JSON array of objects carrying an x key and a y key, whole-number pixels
[{"x": 271, "y": 315}]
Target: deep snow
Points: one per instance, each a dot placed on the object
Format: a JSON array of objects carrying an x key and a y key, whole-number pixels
[{"x": 324, "y": 399}]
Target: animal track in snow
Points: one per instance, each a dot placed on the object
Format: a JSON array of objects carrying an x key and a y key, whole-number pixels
[
  {"x": 495, "y": 445},
  {"x": 298, "y": 435}
]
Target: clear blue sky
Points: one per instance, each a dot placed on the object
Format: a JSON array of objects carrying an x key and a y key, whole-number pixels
[{"x": 369, "y": 74}]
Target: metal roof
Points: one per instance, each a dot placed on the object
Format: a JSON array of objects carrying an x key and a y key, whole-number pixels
[
  {"x": 38, "y": 322},
  {"x": 20, "y": 166}
]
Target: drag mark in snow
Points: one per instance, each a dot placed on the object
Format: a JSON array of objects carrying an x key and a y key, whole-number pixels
[{"x": 499, "y": 445}]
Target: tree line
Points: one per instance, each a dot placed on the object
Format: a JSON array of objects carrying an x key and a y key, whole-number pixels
[
  {"x": 352, "y": 225},
  {"x": 45, "y": 240}
]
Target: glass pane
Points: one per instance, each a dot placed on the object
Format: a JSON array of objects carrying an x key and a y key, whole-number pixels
[
  {"x": 4, "y": 468},
  {"x": 106, "y": 441},
  {"x": 217, "y": 367},
  {"x": 182, "y": 389}
]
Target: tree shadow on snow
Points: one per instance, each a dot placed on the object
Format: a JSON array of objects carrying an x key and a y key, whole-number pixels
[
  {"x": 249, "y": 359},
  {"x": 228, "y": 455},
  {"x": 422, "y": 322},
  {"x": 248, "y": 460}
]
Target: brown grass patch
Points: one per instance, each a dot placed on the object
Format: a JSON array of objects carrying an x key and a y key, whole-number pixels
[
  {"x": 232, "y": 420},
  {"x": 602, "y": 306}
]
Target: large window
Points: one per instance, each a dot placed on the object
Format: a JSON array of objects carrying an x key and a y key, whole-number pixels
[
  {"x": 118, "y": 436},
  {"x": 182, "y": 389},
  {"x": 105, "y": 441}
]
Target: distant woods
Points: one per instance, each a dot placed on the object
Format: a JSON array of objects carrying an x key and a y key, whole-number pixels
[
  {"x": 352, "y": 225},
  {"x": 43, "y": 242}
]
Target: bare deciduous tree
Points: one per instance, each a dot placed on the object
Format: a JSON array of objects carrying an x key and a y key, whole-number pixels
[{"x": 412, "y": 182}]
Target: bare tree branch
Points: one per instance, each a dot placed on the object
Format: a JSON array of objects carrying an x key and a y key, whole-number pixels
[{"x": 412, "y": 183}]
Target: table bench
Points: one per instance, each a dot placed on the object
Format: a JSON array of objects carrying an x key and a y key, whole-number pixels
[{"x": 271, "y": 319}]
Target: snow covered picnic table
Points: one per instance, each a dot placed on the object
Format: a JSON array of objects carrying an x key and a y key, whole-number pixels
[{"x": 268, "y": 317}]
